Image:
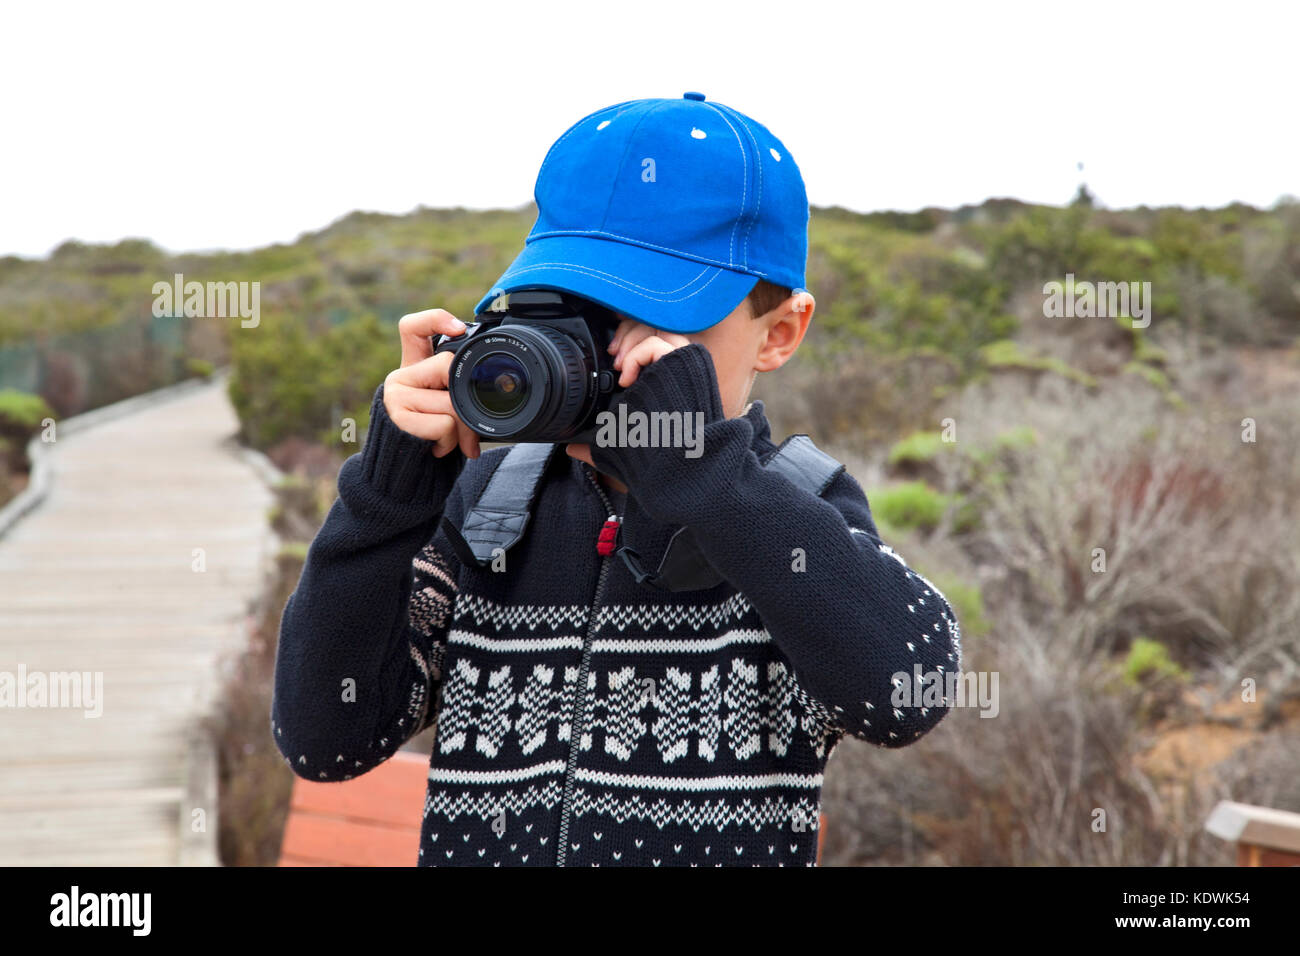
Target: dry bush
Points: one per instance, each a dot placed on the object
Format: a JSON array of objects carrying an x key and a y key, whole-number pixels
[
  {"x": 65, "y": 385},
  {"x": 1097, "y": 346},
  {"x": 1198, "y": 534},
  {"x": 1202, "y": 554},
  {"x": 1023, "y": 787},
  {"x": 1267, "y": 775},
  {"x": 860, "y": 398},
  {"x": 253, "y": 783},
  {"x": 1019, "y": 788}
]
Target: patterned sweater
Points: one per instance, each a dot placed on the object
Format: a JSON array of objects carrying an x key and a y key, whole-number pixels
[{"x": 583, "y": 719}]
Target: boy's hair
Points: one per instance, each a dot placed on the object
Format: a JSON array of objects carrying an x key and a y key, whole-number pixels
[{"x": 765, "y": 297}]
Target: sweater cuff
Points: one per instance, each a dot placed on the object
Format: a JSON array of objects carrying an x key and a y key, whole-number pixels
[
  {"x": 672, "y": 484},
  {"x": 400, "y": 466},
  {"x": 684, "y": 380}
]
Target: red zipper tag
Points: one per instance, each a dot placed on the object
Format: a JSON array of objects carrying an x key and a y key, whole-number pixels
[{"x": 608, "y": 535}]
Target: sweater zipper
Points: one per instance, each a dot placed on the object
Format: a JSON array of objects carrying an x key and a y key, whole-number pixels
[{"x": 580, "y": 695}]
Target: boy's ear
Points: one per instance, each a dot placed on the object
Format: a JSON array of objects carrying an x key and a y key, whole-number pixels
[{"x": 786, "y": 326}]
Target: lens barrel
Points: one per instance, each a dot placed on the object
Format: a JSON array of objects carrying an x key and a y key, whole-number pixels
[{"x": 524, "y": 382}]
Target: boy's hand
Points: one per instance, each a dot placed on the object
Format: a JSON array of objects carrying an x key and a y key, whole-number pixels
[
  {"x": 416, "y": 396},
  {"x": 634, "y": 346}
]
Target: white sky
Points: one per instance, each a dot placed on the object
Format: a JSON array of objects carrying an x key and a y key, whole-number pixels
[{"x": 234, "y": 125}]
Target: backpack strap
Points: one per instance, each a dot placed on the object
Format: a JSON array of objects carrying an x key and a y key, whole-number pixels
[
  {"x": 498, "y": 519},
  {"x": 805, "y": 464},
  {"x": 684, "y": 567}
]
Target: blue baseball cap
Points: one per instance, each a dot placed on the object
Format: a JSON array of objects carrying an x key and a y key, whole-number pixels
[{"x": 666, "y": 210}]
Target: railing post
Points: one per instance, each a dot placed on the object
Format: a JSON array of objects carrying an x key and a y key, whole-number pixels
[{"x": 1264, "y": 836}]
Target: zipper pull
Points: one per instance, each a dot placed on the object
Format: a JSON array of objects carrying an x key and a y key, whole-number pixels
[{"x": 608, "y": 536}]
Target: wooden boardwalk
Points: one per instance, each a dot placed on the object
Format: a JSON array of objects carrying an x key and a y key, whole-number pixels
[{"x": 100, "y": 577}]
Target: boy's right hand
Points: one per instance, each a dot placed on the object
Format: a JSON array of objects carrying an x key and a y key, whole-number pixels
[{"x": 416, "y": 396}]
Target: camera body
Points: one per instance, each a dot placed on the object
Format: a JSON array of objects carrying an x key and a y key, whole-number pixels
[{"x": 533, "y": 368}]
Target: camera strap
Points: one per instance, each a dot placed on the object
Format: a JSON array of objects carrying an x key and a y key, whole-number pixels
[{"x": 497, "y": 520}]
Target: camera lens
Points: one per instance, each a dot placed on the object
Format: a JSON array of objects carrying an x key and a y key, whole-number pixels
[
  {"x": 499, "y": 384},
  {"x": 526, "y": 381}
]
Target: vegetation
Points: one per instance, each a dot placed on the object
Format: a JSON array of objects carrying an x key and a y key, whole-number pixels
[
  {"x": 1007, "y": 354},
  {"x": 20, "y": 410},
  {"x": 1148, "y": 658},
  {"x": 908, "y": 506},
  {"x": 902, "y": 291},
  {"x": 21, "y": 415},
  {"x": 917, "y": 448}
]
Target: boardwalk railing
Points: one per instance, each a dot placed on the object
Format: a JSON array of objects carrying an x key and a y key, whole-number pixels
[{"x": 1264, "y": 836}]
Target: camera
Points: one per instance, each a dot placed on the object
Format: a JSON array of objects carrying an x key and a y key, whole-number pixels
[{"x": 533, "y": 368}]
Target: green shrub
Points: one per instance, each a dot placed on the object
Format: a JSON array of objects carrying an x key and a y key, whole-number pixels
[
  {"x": 22, "y": 411},
  {"x": 1016, "y": 439},
  {"x": 295, "y": 378},
  {"x": 1150, "y": 658},
  {"x": 21, "y": 415},
  {"x": 1007, "y": 353},
  {"x": 199, "y": 368},
  {"x": 917, "y": 448},
  {"x": 913, "y": 504}
]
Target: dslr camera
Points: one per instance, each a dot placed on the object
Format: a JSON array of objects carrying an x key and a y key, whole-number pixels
[{"x": 533, "y": 368}]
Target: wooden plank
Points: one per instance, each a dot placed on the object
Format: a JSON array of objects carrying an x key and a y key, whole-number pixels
[
  {"x": 134, "y": 796},
  {"x": 142, "y": 853}
]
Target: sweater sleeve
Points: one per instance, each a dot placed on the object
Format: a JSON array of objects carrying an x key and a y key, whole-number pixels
[
  {"x": 868, "y": 638},
  {"x": 362, "y": 636}
]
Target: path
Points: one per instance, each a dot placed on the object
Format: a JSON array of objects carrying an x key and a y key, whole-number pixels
[{"x": 100, "y": 578}]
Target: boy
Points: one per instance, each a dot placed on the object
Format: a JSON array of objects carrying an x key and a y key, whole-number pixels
[{"x": 584, "y": 718}]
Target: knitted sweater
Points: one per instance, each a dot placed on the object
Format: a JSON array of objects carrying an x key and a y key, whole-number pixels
[{"x": 583, "y": 719}]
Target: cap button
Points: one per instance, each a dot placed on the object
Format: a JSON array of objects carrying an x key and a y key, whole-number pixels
[{"x": 693, "y": 96}]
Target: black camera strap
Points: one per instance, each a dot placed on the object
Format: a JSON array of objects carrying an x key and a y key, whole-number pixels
[
  {"x": 499, "y": 517},
  {"x": 497, "y": 521}
]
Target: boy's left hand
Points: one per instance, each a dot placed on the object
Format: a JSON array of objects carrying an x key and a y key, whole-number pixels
[{"x": 634, "y": 346}]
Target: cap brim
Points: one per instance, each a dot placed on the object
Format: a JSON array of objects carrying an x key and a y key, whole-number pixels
[{"x": 663, "y": 291}]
